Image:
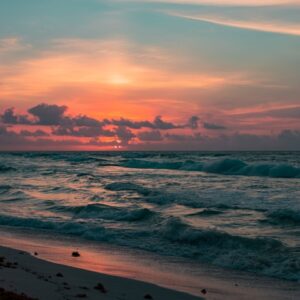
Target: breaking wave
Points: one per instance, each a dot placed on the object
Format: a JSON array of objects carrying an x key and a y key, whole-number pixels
[
  {"x": 94, "y": 211},
  {"x": 173, "y": 237},
  {"x": 225, "y": 166}
]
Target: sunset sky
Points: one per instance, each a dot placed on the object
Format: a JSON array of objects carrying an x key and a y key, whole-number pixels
[{"x": 149, "y": 75}]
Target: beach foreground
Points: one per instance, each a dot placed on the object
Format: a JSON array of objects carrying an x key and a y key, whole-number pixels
[
  {"x": 58, "y": 277},
  {"x": 22, "y": 273}
]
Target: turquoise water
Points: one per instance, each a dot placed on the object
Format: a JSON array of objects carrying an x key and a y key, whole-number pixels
[{"x": 237, "y": 210}]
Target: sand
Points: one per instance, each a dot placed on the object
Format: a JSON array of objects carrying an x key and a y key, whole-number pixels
[{"x": 22, "y": 273}]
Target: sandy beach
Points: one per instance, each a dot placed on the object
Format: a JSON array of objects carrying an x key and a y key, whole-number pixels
[{"x": 24, "y": 274}]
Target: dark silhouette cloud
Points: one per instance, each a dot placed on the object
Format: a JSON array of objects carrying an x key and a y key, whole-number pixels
[
  {"x": 10, "y": 140},
  {"x": 131, "y": 124},
  {"x": 149, "y": 136},
  {"x": 9, "y": 117},
  {"x": 63, "y": 131},
  {"x": 81, "y": 131},
  {"x": 87, "y": 121},
  {"x": 160, "y": 124},
  {"x": 48, "y": 114},
  {"x": 193, "y": 122},
  {"x": 212, "y": 126},
  {"x": 184, "y": 137},
  {"x": 37, "y": 133},
  {"x": 124, "y": 134}
]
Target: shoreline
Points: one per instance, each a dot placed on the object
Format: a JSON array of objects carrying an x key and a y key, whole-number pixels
[
  {"x": 24, "y": 274},
  {"x": 135, "y": 267}
]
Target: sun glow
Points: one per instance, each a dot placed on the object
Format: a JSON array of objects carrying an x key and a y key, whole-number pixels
[{"x": 118, "y": 79}]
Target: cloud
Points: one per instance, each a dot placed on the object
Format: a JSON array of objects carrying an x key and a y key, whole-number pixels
[
  {"x": 131, "y": 124},
  {"x": 48, "y": 114},
  {"x": 283, "y": 112},
  {"x": 212, "y": 126},
  {"x": 94, "y": 131},
  {"x": 193, "y": 122},
  {"x": 160, "y": 124},
  {"x": 37, "y": 133},
  {"x": 287, "y": 140},
  {"x": 25, "y": 140},
  {"x": 9, "y": 117},
  {"x": 150, "y": 136},
  {"x": 49, "y": 125},
  {"x": 255, "y": 25},
  {"x": 184, "y": 137},
  {"x": 124, "y": 135},
  {"x": 228, "y": 2}
]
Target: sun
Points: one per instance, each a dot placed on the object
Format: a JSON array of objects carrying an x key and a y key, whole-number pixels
[{"x": 118, "y": 79}]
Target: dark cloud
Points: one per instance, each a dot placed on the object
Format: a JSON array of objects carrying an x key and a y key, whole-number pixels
[
  {"x": 184, "y": 137},
  {"x": 124, "y": 134},
  {"x": 48, "y": 114},
  {"x": 212, "y": 126},
  {"x": 160, "y": 124},
  {"x": 86, "y": 121},
  {"x": 10, "y": 140},
  {"x": 131, "y": 124},
  {"x": 9, "y": 117},
  {"x": 81, "y": 131},
  {"x": 193, "y": 122},
  {"x": 37, "y": 133},
  {"x": 150, "y": 136}
]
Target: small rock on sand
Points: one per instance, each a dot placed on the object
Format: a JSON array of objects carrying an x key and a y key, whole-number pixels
[
  {"x": 75, "y": 254},
  {"x": 204, "y": 291},
  {"x": 148, "y": 296}
]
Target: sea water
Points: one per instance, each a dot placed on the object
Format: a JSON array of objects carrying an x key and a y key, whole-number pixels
[{"x": 238, "y": 210}]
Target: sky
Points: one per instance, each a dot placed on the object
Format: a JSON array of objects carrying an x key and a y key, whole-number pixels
[{"x": 149, "y": 75}]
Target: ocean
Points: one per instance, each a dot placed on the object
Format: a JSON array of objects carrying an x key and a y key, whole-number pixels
[{"x": 235, "y": 210}]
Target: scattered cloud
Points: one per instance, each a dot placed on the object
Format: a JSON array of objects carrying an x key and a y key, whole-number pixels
[
  {"x": 150, "y": 136},
  {"x": 49, "y": 126},
  {"x": 256, "y": 25},
  {"x": 212, "y": 126},
  {"x": 226, "y": 2}
]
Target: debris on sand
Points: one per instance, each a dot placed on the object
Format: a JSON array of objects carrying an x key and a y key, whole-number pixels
[
  {"x": 100, "y": 288},
  {"x": 5, "y": 295}
]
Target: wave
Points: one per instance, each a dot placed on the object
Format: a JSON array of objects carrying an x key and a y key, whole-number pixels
[
  {"x": 5, "y": 188},
  {"x": 283, "y": 217},
  {"x": 173, "y": 237},
  {"x": 225, "y": 166},
  {"x": 70, "y": 228},
  {"x": 5, "y": 168},
  {"x": 102, "y": 211},
  {"x": 206, "y": 213},
  {"x": 128, "y": 186},
  {"x": 259, "y": 255}
]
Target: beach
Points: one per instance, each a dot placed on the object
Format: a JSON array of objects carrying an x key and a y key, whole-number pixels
[{"x": 24, "y": 274}]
